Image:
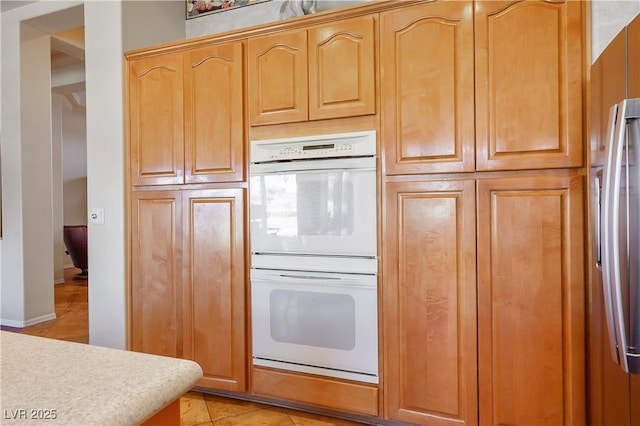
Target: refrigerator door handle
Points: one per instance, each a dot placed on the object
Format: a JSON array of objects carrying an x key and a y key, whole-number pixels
[
  {"x": 628, "y": 110},
  {"x": 597, "y": 196},
  {"x": 614, "y": 235},
  {"x": 632, "y": 118},
  {"x": 605, "y": 229}
]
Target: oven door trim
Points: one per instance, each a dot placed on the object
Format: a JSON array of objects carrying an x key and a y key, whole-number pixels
[
  {"x": 310, "y": 369},
  {"x": 278, "y": 354}
]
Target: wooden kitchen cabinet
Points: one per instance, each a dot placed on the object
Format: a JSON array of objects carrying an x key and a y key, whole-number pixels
[
  {"x": 156, "y": 266},
  {"x": 342, "y": 68},
  {"x": 214, "y": 302},
  {"x": 429, "y": 302},
  {"x": 186, "y": 116},
  {"x": 485, "y": 85},
  {"x": 277, "y": 78},
  {"x": 188, "y": 280},
  {"x": 327, "y": 71},
  {"x": 156, "y": 120},
  {"x": 427, "y": 88},
  {"x": 531, "y": 332},
  {"x": 214, "y": 114},
  {"x": 528, "y": 72}
]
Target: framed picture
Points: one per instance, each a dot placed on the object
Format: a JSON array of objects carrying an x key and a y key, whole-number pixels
[{"x": 196, "y": 8}]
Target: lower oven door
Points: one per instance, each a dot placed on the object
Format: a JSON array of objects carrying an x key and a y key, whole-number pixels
[{"x": 320, "y": 323}]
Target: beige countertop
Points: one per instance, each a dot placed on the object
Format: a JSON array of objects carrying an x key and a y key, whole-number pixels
[{"x": 53, "y": 382}]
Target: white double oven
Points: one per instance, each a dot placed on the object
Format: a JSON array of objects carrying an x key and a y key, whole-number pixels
[{"x": 314, "y": 255}]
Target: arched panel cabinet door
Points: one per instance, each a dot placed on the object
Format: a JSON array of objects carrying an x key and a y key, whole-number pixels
[
  {"x": 156, "y": 120},
  {"x": 277, "y": 78},
  {"x": 327, "y": 71},
  {"x": 214, "y": 117},
  {"x": 342, "y": 68},
  {"x": 528, "y": 65},
  {"x": 428, "y": 88}
]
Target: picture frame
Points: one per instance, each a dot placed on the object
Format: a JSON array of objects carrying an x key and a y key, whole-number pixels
[{"x": 197, "y": 8}]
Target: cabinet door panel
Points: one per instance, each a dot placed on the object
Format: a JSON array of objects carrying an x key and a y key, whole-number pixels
[
  {"x": 612, "y": 64},
  {"x": 214, "y": 126},
  {"x": 277, "y": 74},
  {"x": 531, "y": 300},
  {"x": 430, "y": 303},
  {"x": 528, "y": 84},
  {"x": 214, "y": 259},
  {"x": 635, "y": 396},
  {"x": 633, "y": 58},
  {"x": 427, "y": 88},
  {"x": 156, "y": 120},
  {"x": 156, "y": 260},
  {"x": 342, "y": 68}
]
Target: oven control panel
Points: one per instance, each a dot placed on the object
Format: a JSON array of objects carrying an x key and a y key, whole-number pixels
[
  {"x": 312, "y": 147},
  {"x": 313, "y": 151}
]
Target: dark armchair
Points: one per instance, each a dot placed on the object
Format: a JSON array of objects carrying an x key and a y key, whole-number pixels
[{"x": 75, "y": 239}]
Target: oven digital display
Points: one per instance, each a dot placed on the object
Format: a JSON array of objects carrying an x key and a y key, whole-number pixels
[{"x": 325, "y": 146}]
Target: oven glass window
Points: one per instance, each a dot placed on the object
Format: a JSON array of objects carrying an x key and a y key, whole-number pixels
[
  {"x": 314, "y": 319},
  {"x": 304, "y": 204}
]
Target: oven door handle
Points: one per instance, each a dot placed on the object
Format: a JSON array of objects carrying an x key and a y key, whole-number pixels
[
  {"x": 356, "y": 164},
  {"x": 370, "y": 282},
  {"x": 309, "y": 277}
]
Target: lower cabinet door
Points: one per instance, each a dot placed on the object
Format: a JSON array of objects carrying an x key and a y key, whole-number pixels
[
  {"x": 188, "y": 280},
  {"x": 214, "y": 285},
  {"x": 531, "y": 337},
  {"x": 635, "y": 396},
  {"x": 429, "y": 302},
  {"x": 156, "y": 268}
]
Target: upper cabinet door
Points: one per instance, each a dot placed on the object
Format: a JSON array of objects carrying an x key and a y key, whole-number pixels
[
  {"x": 528, "y": 84},
  {"x": 156, "y": 120},
  {"x": 277, "y": 74},
  {"x": 427, "y": 88},
  {"x": 342, "y": 68},
  {"x": 214, "y": 125}
]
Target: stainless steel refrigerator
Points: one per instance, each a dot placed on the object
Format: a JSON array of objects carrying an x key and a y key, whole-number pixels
[{"x": 614, "y": 233}]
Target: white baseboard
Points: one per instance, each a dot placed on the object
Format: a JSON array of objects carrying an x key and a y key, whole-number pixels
[
  {"x": 27, "y": 323},
  {"x": 59, "y": 281}
]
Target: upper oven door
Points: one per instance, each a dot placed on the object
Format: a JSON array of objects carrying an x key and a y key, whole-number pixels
[{"x": 319, "y": 207}]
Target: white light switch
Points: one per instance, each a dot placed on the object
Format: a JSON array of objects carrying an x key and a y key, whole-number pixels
[{"x": 97, "y": 216}]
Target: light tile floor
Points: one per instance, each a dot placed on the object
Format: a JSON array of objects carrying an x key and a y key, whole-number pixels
[{"x": 196, "y": 409}]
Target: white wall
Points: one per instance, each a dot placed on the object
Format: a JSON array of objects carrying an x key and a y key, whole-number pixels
[
  {"x": 105, "y": 166},
  {"x": 106, "y": 37},
  {"x": 259, "y": 13},
  {"x": 0, "y": 169},
  {"x": 75, "y": 201},
  {"x": 74, "y": 169},
  {"x": 27, "y": 264},
  {"x": 608, "y": 17},
  {"x": 149, "y": 22},
  {"x": 105, "y": 41},
  {"x": 59, "y": 255}
]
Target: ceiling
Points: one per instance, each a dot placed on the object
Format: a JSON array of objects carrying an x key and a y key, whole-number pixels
[
  {"x": 67, "y": 51},
  {"x": 67, "y": 67},
  {"x": 9, "y": 4}
]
